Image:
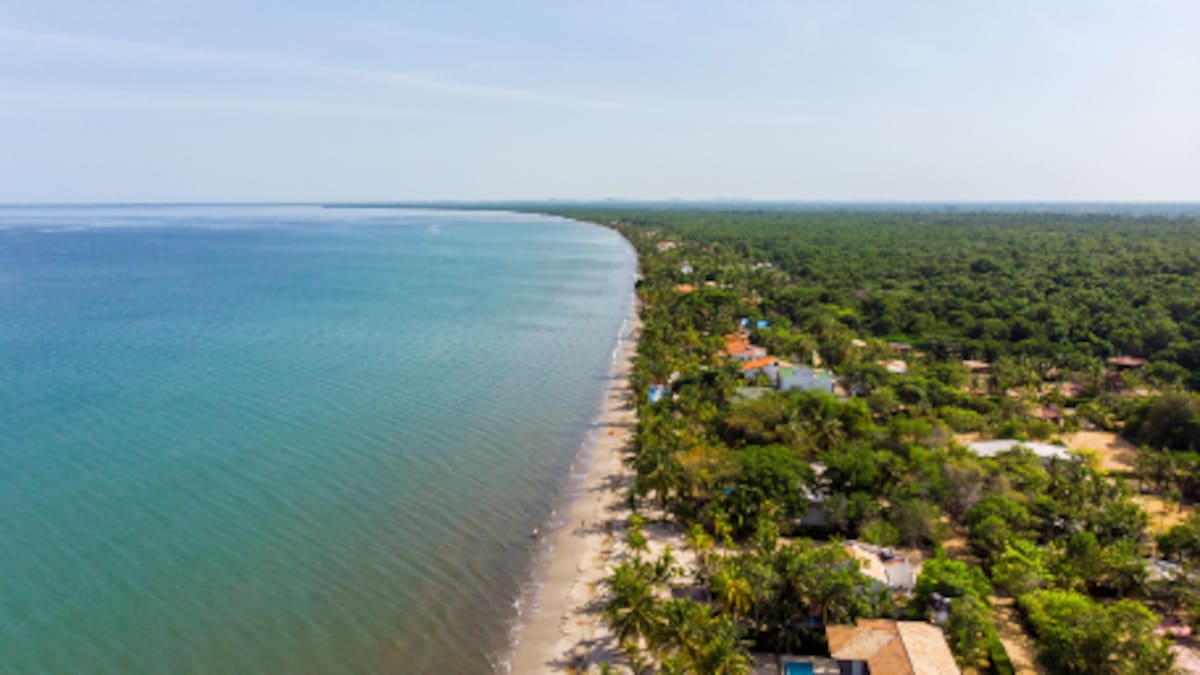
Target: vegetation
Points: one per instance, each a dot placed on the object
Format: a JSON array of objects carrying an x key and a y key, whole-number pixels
[{"x": 1044, "y": 301}]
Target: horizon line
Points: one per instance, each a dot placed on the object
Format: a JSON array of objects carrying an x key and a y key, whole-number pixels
[{"x": 399, "y": 203}]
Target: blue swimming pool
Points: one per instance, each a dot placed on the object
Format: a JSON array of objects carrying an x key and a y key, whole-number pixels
[{"x": 797, "y": 668}]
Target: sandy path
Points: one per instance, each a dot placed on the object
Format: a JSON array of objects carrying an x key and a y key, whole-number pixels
[
  {"x": 564, "y": 633},
  {"x": 1017, "y": 643},
  {"x": 1116, "y": 454}
]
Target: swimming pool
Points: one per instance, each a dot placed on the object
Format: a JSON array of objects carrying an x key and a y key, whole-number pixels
[{"x": 797, "y": 668}]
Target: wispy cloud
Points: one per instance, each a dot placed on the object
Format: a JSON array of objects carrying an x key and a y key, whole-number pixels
[
  {"x": 138, "y": 50},
  {"x": 125, "y": 99}
]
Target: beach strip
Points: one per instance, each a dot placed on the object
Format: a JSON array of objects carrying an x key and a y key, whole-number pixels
[{"x": 564, "y": 632}]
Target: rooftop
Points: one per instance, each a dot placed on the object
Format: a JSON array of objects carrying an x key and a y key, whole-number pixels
[
  {"x": 761, "y": 363},
  {"x": 893, "y": 647},
  {"x": 976, "y": 366},
  {"x": 997, "y": 446}
]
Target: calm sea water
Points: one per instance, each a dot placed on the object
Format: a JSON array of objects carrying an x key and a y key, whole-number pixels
[{"x": 287, "y": 439}]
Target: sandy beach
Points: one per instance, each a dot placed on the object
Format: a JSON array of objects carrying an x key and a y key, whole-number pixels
[{"x": 564, "y": 633}]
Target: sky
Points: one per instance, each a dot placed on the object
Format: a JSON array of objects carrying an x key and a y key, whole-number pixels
[{"x": 215, "y": 100}]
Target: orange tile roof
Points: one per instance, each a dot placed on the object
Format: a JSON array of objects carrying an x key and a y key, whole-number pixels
[
  {"x": 759, "y": 363},
  {"x": 899, "y": 648},
  {"x": 736, "y": 343}
]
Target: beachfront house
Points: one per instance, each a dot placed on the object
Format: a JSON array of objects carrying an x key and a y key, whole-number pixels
[
  {"x": 877, "y": 646},
  {"x": 657, "y": 392},
  {"x": 871, "y": 647}
]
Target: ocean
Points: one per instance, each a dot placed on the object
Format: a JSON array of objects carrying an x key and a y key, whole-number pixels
[{"x": 288, "y": 439}]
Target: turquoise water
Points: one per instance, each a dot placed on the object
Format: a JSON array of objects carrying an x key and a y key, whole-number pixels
[{"x": 287, "y": 439}]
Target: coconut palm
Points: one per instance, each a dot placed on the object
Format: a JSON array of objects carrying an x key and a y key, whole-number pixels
[{"x": 633, "y": 611}]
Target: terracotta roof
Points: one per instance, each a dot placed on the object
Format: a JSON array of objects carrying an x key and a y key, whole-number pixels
[
  {"x": 1126, "y": 361},
  {"x": 737, "y": 346},
  {"x": 759, "y": 363},
  {"x": 927, "y": 649},
  {"x": 685, "y": 288},
  {"x": 893, "y": 647},
  {"x": 1072, "y": 389},
  {"x": 976, "y": 366}
]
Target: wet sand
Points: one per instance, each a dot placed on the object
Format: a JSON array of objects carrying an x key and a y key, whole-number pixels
[{"x": 564, "y": 632}]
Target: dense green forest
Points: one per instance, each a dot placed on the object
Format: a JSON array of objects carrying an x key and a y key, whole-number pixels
[
  {"x": 1055, "y": 287},
  {"x": 1039, "y": 304}
]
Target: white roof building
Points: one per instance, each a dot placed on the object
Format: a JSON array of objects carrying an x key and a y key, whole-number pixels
[{"x": 995, "y": 447}]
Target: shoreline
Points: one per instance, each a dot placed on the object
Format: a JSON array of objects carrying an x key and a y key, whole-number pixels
[{"x": 563, "y": 631}]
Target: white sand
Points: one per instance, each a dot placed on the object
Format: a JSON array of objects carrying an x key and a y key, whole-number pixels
[{"x": 565, "y": 634}]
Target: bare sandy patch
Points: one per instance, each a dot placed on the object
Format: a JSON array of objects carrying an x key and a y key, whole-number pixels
[{"x": 1116, "y": 454}]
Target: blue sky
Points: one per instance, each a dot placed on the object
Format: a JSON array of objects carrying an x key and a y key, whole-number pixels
[{"x": 218, "y": 100}]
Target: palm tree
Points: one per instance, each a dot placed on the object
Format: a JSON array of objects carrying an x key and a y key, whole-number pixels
[
  {"x": 733, "y": 592},
  {"x": 725, "y": 653},
  {"x": 682, "y": 632},
  {"x": 633, "y": 612}
]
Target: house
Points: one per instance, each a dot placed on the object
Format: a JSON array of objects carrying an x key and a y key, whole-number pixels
[
  {"x": 664, "y": 246},
  {"x": 686, "y": 269},
  {"x": 895, "y": 366},
  {"x": 765, "y": 364},
  {"x": 879, "y": 646},
  {"x": 738, "y": 347},
  {"x": 684, "y": 288},
  {"x": 976, "y": 367},
  {"x": 657, "y": 391},
  {"x": 888, "y": 568},
  {"x": 761, "y": 324},
  {"x": 900, "y": 347},
  {"x": 1049, "y": 413},
  {"x": 805, "y": 379},
  {"x": 1072, "y": 389},
  {"x": 1126, "y": 362},
  {"x": 995, "y": 447}
]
